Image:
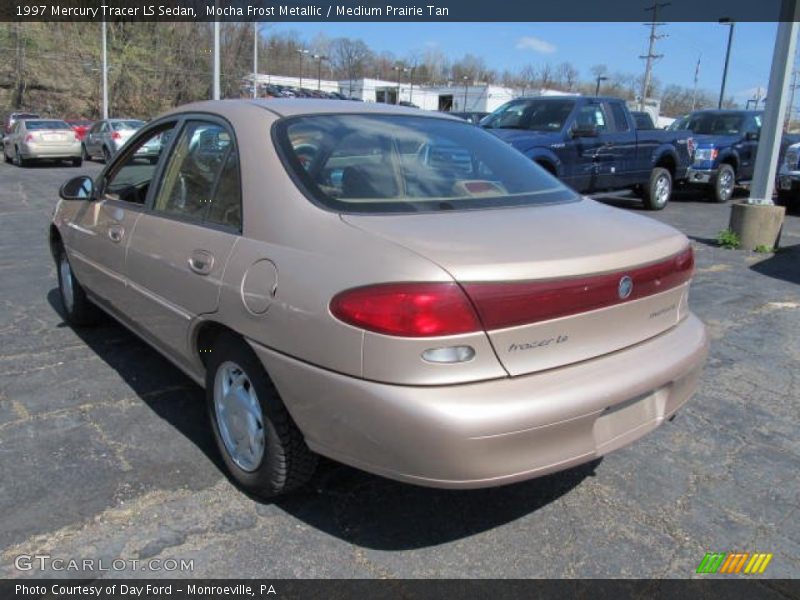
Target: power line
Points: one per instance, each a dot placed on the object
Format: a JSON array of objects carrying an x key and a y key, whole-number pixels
[{"x": 651, "y": 55}]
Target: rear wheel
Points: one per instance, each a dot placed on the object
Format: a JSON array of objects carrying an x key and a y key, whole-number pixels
[
  {"x": 85, "y": 153},
  {"x": 106, "y": 154},
  {"x": 78, "y": 309},
  {"x": 658, "y": 190},
  {"x": 722, "y": 191},
  {"x": 262, "y": 448},
  {"x": 789, "y": 198},
  {"x": 19, "y": 160},
  {"x": 77, "y": 162}
]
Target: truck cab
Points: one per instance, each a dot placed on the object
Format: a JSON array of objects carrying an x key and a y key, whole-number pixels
[
  {"x": 593, "y": 145},
  {"x": 727, "y": 141}
]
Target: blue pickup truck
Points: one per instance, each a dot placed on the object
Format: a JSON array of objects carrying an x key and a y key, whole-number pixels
[
  {"x": 725, "y": 156},
  {"x": 592, "y": 144}
]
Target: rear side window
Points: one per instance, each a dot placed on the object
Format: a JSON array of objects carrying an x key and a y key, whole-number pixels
[
  {"x": 392, "y": 163},
  {"x": 620, "y": 119},
  {"x": 201, "y": 179}
]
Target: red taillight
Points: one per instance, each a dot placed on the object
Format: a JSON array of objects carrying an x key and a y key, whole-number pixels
[
  {"x": 407, "y": 309},
  {"x": 115, "y": 135},
  {"x": 29, "y": 138},
  {"x": 502, "y": 305},
  {"x": 690, "y": 147}
]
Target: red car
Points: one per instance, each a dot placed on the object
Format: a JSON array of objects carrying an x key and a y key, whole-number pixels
[{"x": 80, "y": 127}]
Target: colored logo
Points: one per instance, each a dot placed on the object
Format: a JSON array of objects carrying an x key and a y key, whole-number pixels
[
  {"x": 625, "y": 287},
  {"x": 744, "y": 563}
]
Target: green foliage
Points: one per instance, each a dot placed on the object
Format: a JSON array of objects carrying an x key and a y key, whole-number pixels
[
  {"x": 728, "y": 239},
  {"x": 764, "y": 249}
]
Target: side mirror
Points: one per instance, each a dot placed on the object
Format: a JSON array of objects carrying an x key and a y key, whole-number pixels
[
  {"x": 585, "y": 131},
  {"x": 751, "y": 136},
  {"x": 77, "y": 188}
]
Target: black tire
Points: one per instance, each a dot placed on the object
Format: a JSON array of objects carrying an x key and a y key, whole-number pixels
[
  {"x": 286, "y": 463},
  {"x": 789, "y": 198},
  {"x": 6, "y": 157},
  {"x": 19, "y": 160},
  {"x": 106, "y": 155},
  {"x": 80, "y": 311},
  {"x": 658, "y": 191},
  {"x": 85, "y": 153},
  {"x": 77, "y": 162},
  {"x": 724, "y": 184}
]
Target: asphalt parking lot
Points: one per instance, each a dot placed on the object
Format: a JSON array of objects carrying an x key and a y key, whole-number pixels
[{"x": 105, "y": 452}]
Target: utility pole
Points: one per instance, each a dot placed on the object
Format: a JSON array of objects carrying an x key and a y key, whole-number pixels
[
  {"x": 255, "y": 59},
  {"x": 651, "y": 55},
  {"x": 105, "y": 73},
  {"x": 790, "y": 109},
  {"x": 696, "y": 78},
  {"x": 731, "y": 24}
]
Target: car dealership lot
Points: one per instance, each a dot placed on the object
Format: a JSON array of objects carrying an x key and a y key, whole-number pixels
[{"x": 105, "y": 450}]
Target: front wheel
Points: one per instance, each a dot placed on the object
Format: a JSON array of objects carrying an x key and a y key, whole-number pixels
[
  {"x": 658, "y": 190},
  {"x": 78, "y": 309},
  {"x": 19, "y": 160},
  {"x": 262, "y": 447},
  {"x": 722, "y": 190}
]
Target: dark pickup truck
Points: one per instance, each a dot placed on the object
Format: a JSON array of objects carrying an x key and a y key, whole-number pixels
[
  {"x": 726, "y": 141},
  {"x": 592, "y": 144}
]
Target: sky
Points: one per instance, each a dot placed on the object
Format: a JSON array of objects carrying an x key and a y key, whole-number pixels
[{"x": 617, "y": 45}]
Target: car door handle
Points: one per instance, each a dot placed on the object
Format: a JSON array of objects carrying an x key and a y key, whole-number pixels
[
  {"x": 201, "y": 262},
  {"x": 115, "y": 233}
]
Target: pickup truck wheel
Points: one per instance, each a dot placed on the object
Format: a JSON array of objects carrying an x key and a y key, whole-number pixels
[
  {"x": 78, "y": 309},
  {"x": 658, "y": 190},
  {"x": 261, "y": 446},
  {"x": 724, "y": 184}
]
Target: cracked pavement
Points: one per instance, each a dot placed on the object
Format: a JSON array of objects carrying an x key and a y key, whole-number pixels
[{"x": 105, "y": 451}]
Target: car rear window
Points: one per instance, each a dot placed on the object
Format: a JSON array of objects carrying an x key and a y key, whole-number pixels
[
  {"x": 392, "y": 163},
  {"x": 124, "y": 125},
  {"x": 38, "y": 125}
]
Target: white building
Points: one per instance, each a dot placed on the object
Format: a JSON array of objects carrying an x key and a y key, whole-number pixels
[{"x": 456, "y": 98}]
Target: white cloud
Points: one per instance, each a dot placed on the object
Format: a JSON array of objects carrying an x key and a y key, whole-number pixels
[{"x": 535, "y": 44}]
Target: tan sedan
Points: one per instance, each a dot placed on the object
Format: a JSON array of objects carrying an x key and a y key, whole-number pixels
[
  {"x": 394, "y": 289},
  {"x": 41, "y": 139}
]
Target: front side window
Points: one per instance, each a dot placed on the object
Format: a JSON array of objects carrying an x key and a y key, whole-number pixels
[
  {"x": 537, "y": 114},
  {"x": 715, "y": 124},
  {"x": 130, "y": 178},
  {"x": 591, "y": 116},
  {"x": 390, "y": 163},
  {"x": 189, "y": 184}
]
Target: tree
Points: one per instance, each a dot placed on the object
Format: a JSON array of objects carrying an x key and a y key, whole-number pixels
[
  {"x": 567, "y": 76},
  {"x": 350, "y": 57}
]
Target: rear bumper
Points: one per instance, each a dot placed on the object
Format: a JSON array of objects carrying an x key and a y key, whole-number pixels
[
  {"x": 499, "y": 431},
  {"x": 700, "y": 175},
  {"x": 42, "y": 151}
]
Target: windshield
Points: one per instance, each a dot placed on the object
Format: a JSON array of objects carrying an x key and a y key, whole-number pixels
[
  {"x": 37, "y": 125},
  {"x": 712, "y": 123},
  {"x": 126, "y": 125},
  {"x": 538, "y": 114},
  {"x": 387, "y": 163}
]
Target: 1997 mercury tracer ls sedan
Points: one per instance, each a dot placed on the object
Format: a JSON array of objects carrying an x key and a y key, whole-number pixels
[{"x": 397, "y": 290}]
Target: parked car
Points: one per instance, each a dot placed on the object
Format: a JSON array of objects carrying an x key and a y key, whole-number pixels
[
  {"x": 789, "y": 177},
  {"x": 414, "y": 298},
  {"x": 80, "y": 126},
  {"x": 13, "y": 117},
  {"x": 592, "y": 145},
  {"x": 41, "y": 139},
  {"x": 470, "y": 117},
  {"x": 107, "y": 136},
  {"x": 643, "y": 120},
  {"x": 727, "y": 141}
]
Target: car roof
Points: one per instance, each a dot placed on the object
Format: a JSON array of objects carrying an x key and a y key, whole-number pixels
[{"x": 289, "y": 107}]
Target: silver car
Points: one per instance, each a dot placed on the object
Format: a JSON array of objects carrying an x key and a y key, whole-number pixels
[
  {"x": 37, "y": 139},
  {"x": 106, "y": 137}
]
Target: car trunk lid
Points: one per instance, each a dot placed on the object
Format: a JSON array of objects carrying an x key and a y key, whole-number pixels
[{"x": 547, "y": 281}]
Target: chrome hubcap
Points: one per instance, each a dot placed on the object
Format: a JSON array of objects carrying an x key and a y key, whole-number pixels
[
  {"x": 662, "y": 190},
  {"x": 239, "y": 417},
  {"x": 67, "y": 285},
  {"x": 725, "y": 184}
]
